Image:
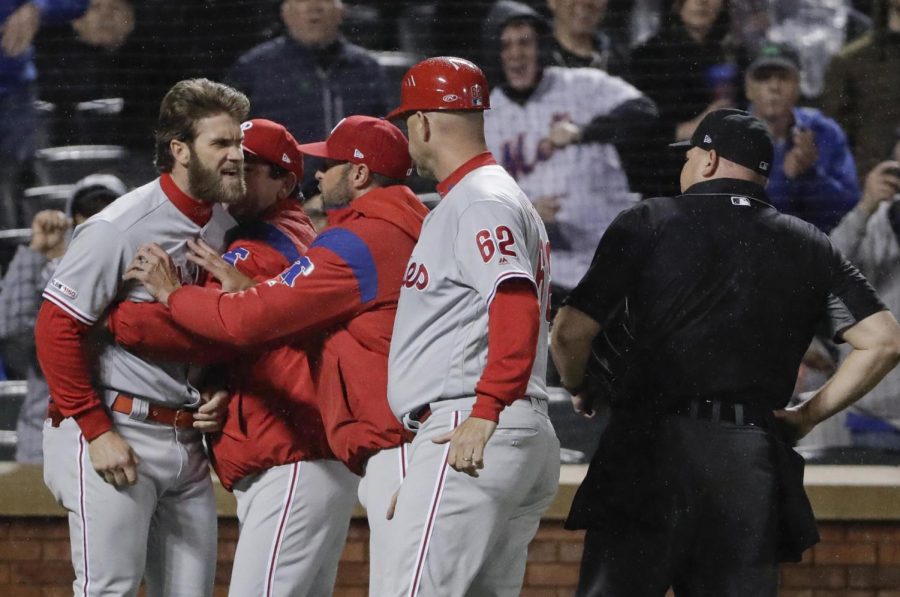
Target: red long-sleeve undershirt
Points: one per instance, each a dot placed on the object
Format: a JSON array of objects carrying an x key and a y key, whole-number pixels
[
  {"x": 60, "y": 343},
  {"x": 513, "y": 327}
]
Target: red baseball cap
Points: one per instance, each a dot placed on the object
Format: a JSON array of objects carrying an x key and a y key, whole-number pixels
[
  {"x": 374, "y": 142},
  {"x": 273, "y": 143}
]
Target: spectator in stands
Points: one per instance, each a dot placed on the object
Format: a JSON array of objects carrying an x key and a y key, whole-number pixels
[
  {"x": 862, "y": 87},
  {"x": 577, "y": 38},
  {"x": 19, "y": 21},
  {"x": 95, "y": 59},
  {"x": 689, "y": 68},
  {"x": 869, "y": 236},
  {"x": 813, "y": 175},
  {"x": 554, "y": 131},
  {"x": 310, "y": 78},
  {"x": 20, "y": 295}
]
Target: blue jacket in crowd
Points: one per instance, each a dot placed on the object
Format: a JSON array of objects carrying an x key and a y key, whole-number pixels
[
  {"x": 285, "y": 83},
  {"x": 830, "y": 188},
  {"x": 17, "y": 71}
]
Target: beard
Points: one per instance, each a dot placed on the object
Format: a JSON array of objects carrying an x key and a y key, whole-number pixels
[
  {"x": 340, "y": 195},
  {"x": 207, "y": 184}
]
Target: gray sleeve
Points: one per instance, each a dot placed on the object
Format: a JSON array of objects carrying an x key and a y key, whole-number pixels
[
  {"x": 90, "y": 274},
  {"x": 850, "y": 236},
  {"x": 20, "y": 295},
  {"x": 490, "y": 247}
]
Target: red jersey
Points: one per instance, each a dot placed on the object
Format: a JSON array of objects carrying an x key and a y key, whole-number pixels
[
  {"x": 273, "y": 416},
  {"x": 345, "y": 290}
]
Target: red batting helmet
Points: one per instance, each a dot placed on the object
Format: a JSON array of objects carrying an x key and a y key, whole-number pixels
[{"x": 443, "y": 83}]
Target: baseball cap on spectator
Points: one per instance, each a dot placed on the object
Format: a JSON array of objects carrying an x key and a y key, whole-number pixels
[
  {"x": 94, "y": 192},
  {"x": 374, "y": 142},
  {"x": 274, "y": 144},
  {"x": 737, "y": 136},
  {"x": 773, "y": 55}
]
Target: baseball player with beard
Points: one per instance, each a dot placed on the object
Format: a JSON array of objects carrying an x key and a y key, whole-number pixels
[
  {"x": 468, "y": 356},
  {"x": 294, "y": 500},
  {"x": 122, "y": 442},
  {"x": 343, "y": 292}
]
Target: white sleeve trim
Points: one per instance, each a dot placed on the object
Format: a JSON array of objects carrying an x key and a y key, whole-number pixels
[
  {"x": 69, "y": 309},
  {"x": 506, "y": 276}
]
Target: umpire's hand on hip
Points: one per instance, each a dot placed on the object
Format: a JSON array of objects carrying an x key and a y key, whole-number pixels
[
  {"x": 113, "y": 459},
  {"x": 467, "y": 443}
]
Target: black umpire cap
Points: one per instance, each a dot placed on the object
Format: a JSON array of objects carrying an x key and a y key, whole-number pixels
[{"x": 736, "y": 136}]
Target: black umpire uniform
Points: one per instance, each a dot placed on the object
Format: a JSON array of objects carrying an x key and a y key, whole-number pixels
[{"x": 724, "y": 295}]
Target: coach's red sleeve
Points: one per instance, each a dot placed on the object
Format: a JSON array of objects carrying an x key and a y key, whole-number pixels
[
  {"x": 513, "y": 327},
  {"x": 315, "y": 293},
  {"x": 60, "y": 344},
  {"x": 147, "y": 329}
]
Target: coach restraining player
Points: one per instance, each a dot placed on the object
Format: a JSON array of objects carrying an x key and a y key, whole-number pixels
[{"x": 688, "y": 487}]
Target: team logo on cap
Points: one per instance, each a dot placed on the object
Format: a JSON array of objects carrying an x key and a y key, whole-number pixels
[
  {"x": 764, "y": 166},
  {"x": 475, "y": 93},
  {"x": 285, "y": 158},
  {"x": 450, "y": 97},
  {"x": 246, "y": 125},
  {"x": 358, "y": 154},
  {"x": 707, "y": 139}
]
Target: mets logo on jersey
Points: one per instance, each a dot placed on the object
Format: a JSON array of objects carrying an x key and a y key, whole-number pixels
[
  {"x": 301, "y": 267},
  {"x": 416, "y": 276}
]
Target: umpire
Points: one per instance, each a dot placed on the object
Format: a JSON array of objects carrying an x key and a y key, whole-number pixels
[{"x": 690, "y": 487}]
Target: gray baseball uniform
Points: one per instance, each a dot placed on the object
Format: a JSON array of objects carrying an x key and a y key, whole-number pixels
[
  {"x": 164, "y": 526},
  {"x": 385, "y": 472},
  {"x": 294, "y": 520},
  {"x": 452, "y": 533}
]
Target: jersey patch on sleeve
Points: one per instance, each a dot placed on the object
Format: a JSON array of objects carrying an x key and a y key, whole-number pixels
[
  {"x": 66, "y": 290},
  {"x": 302, "y": 267},
  {"x": 235, "y": 255},
  {"x": 356, "y": 254}
]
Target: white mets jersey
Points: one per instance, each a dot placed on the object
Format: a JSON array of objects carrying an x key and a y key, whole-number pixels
[
  {"x": 484, "y": 231},
  {"x": 89, "y": 279},
  {"x": 587, "y": 180}
]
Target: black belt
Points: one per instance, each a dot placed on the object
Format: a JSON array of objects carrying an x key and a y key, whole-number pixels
[{"x": 724, "y": 412}]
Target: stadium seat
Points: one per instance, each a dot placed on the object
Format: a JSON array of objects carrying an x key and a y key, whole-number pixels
[
  {"x": 68, "y": 164},
  {"x": 414, "y": 29},
  {"x": 37, "y": 199}
]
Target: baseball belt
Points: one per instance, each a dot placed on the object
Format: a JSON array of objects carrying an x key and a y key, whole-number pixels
[{"x": 181, "y": 418}]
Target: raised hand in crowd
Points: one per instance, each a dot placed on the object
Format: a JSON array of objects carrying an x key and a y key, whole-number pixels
[
  {"x": 803, "y": 154},
  {"x": 882, "y": 184},
  {"x": 547, "y": 207},
  {"x": 19, "y": 29},
  {"x": 206, "y": 257},
  {"x": 48, "y": 233}
]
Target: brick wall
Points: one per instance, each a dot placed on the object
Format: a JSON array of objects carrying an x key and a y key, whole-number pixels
[{"x": 853, "y": 560}]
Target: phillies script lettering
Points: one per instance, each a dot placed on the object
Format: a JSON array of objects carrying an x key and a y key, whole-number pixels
[{"x": 416, "y": 276}]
